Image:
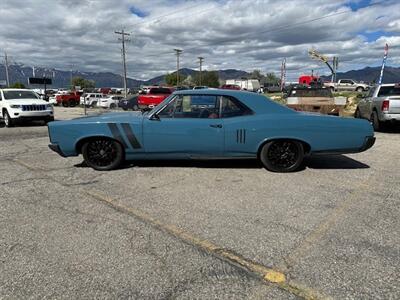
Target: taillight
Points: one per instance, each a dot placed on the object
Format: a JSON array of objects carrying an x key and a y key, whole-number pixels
[{"x": 385, "y": 105}]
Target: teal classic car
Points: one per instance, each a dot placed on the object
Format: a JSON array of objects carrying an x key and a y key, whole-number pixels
[{"x": 210, "y": 124}]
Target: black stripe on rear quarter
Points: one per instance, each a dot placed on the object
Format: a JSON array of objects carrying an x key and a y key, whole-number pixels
[
  {"x": 131, "y": 136},
  {"x": 117, "y": 134}
]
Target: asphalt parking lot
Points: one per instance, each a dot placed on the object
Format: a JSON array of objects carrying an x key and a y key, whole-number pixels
[{"x": 205, "y": 230}]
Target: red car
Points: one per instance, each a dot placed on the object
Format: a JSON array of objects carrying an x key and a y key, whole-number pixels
[
  {"x": 231, "y": 87},
  {"x": 154, "y": 97},
  {"x": 71, "y": 99}
]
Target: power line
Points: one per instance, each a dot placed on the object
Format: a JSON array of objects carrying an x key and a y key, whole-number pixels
[
  {"x": 276, "y": 29},
  {"x": 123, "y": 34}
]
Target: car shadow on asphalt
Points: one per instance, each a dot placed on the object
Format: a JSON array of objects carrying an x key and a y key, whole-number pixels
[
  {"x": 313, "y": 162},
  {"x": 334, "y": 162}
]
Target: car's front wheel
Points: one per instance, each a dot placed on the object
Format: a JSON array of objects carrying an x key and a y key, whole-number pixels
[
  {"x": 7, "y": 119},
  {"x": 103, "y": 154},
  {"x": 282, "y": 155}
]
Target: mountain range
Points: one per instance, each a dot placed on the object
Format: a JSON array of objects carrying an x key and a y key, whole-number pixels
[{"x": 61, "y": 78}]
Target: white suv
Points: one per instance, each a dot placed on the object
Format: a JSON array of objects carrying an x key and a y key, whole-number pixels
[
  {"x": 91, "y": 99},
  {"x": 19, "y": 105},
  {"x": 110, "y": 102}
]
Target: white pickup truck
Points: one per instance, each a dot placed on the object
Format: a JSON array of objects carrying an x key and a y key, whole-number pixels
[
  {"x": 381, "y": 106},
  {"x": 347, "y": 85},
  {"x": 23, "y": 105}
]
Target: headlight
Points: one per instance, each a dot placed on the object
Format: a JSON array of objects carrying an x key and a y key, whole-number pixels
[{"x": 15, "y": 106}]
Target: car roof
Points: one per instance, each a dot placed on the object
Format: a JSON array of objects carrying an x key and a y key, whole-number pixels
[{"x": 256, "y": 102}]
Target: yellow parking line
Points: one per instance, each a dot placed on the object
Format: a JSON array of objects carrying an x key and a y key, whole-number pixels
[
  {"x": 320, "y": 230},
  {"x": 269, "y": 275}
]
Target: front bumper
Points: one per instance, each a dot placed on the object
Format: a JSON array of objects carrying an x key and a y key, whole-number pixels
[
  {"x": 368, "y": 143},
  {"x": 56, "y": 149}
]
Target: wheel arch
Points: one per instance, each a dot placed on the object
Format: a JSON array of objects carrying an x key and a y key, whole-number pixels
[
  {"x": 79, "y": 143},
  {"x": 306, "y": 145}
]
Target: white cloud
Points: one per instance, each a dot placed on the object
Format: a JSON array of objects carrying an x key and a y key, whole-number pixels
[{"x": 238, "y": 34}]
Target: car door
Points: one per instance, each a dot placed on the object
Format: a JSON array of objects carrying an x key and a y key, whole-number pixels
[
  {"x": 188, "y": 126},
  {"x": 239, "y": 136}
]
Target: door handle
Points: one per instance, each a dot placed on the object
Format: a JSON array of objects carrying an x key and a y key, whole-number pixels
[{"x": 216, "y": 125}]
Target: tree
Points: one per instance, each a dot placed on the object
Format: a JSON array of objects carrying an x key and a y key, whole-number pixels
[
  {"x": 83, "y": 83},
  {"x": 18, "y": 85},
  {"x": 256, "y": 74},
  {"x": 271, "y": 78},
  {"x": 170, "y": 79},
  {"x": 208, "y": 78}
]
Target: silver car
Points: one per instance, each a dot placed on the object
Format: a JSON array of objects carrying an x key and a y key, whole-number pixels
[{"x": 381, "y": 106}]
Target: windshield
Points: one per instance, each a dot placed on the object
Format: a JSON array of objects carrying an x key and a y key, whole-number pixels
[
  {"x": 166, "y": 100},
  {"x": 14, "y": 95}
]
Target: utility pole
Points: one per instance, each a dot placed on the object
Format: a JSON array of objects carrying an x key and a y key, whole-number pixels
[
  {"x": 178, "y": 53},
  {"x": 122, "y": 39},
  {"x": 200, "y": 63},
  {"x": 6, "y": 66}
]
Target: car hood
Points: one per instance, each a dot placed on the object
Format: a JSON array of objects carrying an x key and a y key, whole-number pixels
[
  {"x": 32, "y": 101},
  {"x": 116, "y": 117}
]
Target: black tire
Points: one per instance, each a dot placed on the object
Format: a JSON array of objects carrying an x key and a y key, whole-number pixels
[
  {"x": 357, "y": 114},
  {"x": 375, "y": 121},
  {"x": 124, "y": 108},
  {"x": 8, "y": 121},
  {"x": 332, "y": 89},
  {"x": 112, "y": 106},
  {"x": 135, "y": 107},
  {"x": 103, "y": 154},
  {"x": 359, "y": 89},
  {"x": 72, "y": 103},
  {"x": 50, "y": 119},
  {"x": 282, "y": 155},
  {"x": 65, "y": 103}
]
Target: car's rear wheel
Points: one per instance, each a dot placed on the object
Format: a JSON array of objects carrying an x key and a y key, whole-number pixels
[
  {"x": 103, "y": 154},
  {"x": 135, "y": 107},
  {"x": 360, "y": 90},
  {"x": 282, "y": 155},
  {"x": 112, "y": 106},
  {"x": 7, "y": 119}
]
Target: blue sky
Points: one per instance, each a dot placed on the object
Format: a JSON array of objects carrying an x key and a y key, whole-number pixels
[{"x": 230, "y": 34}]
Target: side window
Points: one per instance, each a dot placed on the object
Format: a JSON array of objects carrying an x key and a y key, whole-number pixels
[
  {"x": 1, "y": 97},
  {"x": 197, "y": 106},
  {"x": 231, "y": 107}
]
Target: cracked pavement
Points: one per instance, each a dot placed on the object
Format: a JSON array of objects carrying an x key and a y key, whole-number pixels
[{"x": 332, "y": 227}]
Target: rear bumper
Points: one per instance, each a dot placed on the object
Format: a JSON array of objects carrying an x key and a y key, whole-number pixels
[
  {"x": 56, "y": 149},
  {"x": 368, "y": 143},
  {"x": 385, "y": 117}
]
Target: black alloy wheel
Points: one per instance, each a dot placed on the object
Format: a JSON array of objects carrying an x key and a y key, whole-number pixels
[
  {"x": 282, "y": 155},
  {"x": 103, "y": 154}
]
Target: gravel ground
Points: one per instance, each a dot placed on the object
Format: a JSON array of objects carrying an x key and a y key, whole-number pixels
[{"x": 332, "y": 229}]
